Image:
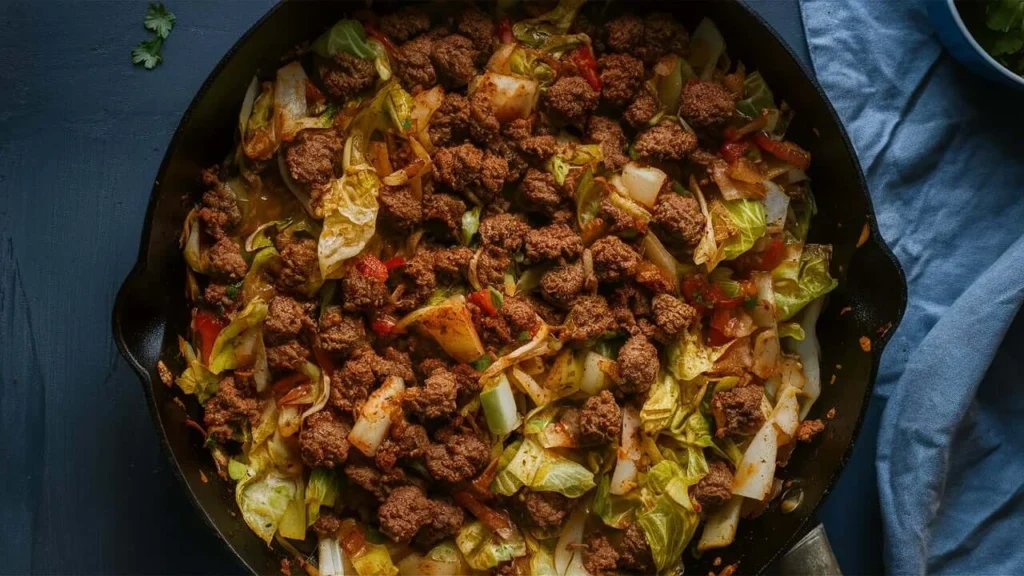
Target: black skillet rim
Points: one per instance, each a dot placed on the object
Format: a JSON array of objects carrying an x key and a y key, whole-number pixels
[{"x": 140, "y": 269}]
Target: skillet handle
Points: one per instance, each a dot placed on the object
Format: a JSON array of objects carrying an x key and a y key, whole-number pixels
[
  {"x": 811, "y": 555},
  {"x": 138, "y": 321}
]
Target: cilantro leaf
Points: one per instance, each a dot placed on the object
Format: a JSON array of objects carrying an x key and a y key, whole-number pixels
[
  {"x": 159, "y": 20},
  {"x": 147, "y": 53}
]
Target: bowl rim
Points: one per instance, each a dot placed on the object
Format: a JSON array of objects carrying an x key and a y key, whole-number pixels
[{"x": 1003, "y": 70}]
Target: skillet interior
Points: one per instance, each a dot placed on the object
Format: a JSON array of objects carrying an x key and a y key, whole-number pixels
[{"x": 151, "y": 310}]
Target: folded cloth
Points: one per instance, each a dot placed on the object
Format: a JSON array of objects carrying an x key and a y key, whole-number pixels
[{"x": 941, "y": 150}]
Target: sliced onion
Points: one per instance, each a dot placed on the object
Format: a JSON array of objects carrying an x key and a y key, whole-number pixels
[
  {"x": 735, "y": 189},
  {"x": 525, "y": 351},
  {"x": 595, "y": 373},
  {"x": 624, "y": 478},
  {"x": 656, "y": 252},
  {"x": 791, "y": 373},
  {"x": 756, "y": 470},
  {"x": 763, "y": 311},
  {"x": 786, "y": 414},
  {"x": 512, "y": 97},
  {"x": 331, "y": 560},
  {"x": 766, "y": 353},
  {"x": 190, "y": 241},
  {"x": 500, "y": 408},
  {"x": 706, "y": 46},
  {"x": 558, "y": 435},
  {"x": 247, "y": 102},
  {"x": 474, "y": 264},
  {"x": 424, "y": 105},
  {"x": 720, "y": 529},
  {"x": 569, "y": 548},
  {"x": 809, "y": 352},
  {"x": 290, "y": 102},
  {"x": 288, "y": 420},
  {"x": 643, "y": 182},
  {"x": 500, "y": 57},
  {"x": 260, "y": 369},
  {"x": 776, "y": 205},
  {"x": 529, "y": 386},
  {"x": 374, "y": 421},
  {"x": 451, "y": 326},
  {"x": 323, "y": 394}
]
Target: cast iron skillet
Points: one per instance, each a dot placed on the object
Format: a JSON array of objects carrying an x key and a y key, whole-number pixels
[{"x": 151, "y": 311}]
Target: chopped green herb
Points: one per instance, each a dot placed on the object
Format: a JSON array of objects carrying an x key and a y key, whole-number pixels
[
  {"x": 497, "y": 298},
  {"x": 523, "y": 336},
  {"x": 482, "y": 363},
  {"x": 407, "y": 123},
  {"x": 159, "y": 20},
  {"x": 233, "y": 291},
  {"x": 749, "y": 303}
]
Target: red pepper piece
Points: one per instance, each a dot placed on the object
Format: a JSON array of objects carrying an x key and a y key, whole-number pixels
[
  {"x": 383, "y": 326},
  {"x": 785, "y": 151},
  {"x": 208, "y": 326},
  {"x": 505, "y": 31},
  {"x": 586, "y": 65},
  {"x": 483, "y": 300},
  {"x": 394, "y": 262},
  {"x": 733, "y": 151},
  {"x": 372, "y": 267},
  {"x": 773, "y": 255},
  {"x": 313, "y": 94},
  {"x": 382, "y": 38}
]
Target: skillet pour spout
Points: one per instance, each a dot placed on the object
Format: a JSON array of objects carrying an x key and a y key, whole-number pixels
[{"x": 151, "y": 310}]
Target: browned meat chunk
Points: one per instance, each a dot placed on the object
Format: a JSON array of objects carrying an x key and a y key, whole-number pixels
[
  {"x": 400, "y": 211},
  {"x": 299, "y": 264},
  {"x": 706, "y": 104},
  {"x": 404, "y": 23},
  {"x": 634, "y": 552},
  {"x": 809, "y": 429},
  {"x": 584, "y": 24},
  {"x": 443, "y": 215},
  {"x": 223, "y": 295},
  {"x": 446, "y": 521},
  {"x": 666, "y": 141},
  {"x": 291, "y": 355},
  {"x": 285, "y": 320},
  {"x": 680, "y": 217},
  {"x": 434, "y": 399},
  {"x": 614, "y": 260},
  {"x": 608, "y": 133},
  {"x": 219, "y": 213},
  {"x": 345, "y": 76},
  {"x": 672, "y": 315},
  {"x": 621, "y": 77},
  {"x": 313, "y": 156},
  {"x": 460, "y": 457},
  {"x": 412, "y": 63},
  {"x": 327, "y": 525},
  {"x": 419, "y": 280},
  {"x": 323, "y": 441},
  {"x": 738, "y": 411},
  {"x": 541, "y": 193},
  {"x": 452, "y": 263},
  {"x": 653, "y": 278},
  {"x": 373, "y": 481},
  {"x": 625, "y": 33},
  {"x": 545, "y": 510},
  {"x": 361, "y": 293},
  {"x": 449, "y": 126},
  {"x": 600, "y": 420},
  {"x": 618, "y": 220},
  {"x": 404, "y": 441},
  {"x": 341, "y": 333},
  {"x": 454, "y": 58},
  {"x": 519, "y": 315},
  {"x": 715, "y": 488},
  {"x": 648, "y": 39},
  {"x": 469, "y": 170},
  {"x": 476, "y": 25},
  {"x": 571, "y": 99},
  {"x": 493, "y": 330},
  {"x": 642, "y": 110},
  {"x": 561, "y": 284},
  {"x": 590, "y": 318},
  {"x": 492, "y": 265},
  {"x": 404, "y": 512},
  {"x": 225, "y": 261},
  {"x": 484, "y": 127},
  {"x": 599, "y": 556},
  {"x": 351, "y": 385},
  {"x": 503, "y": 231},
  {"x": 517, "y": 163},
  {"x": 557, "y": 241},
  {"x": 638, "y": 365},
  {"x": 231, "y": 407}
]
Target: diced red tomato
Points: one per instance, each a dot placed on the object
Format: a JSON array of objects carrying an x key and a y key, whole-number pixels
[
  {"x": 382, "y": 38},
  {"x": 731, "y": 134},
  {"x": 773, "y": 255},
  {"x": 716, "y": 337},
  {"x": 383, "y": 326},
  {"x": 394, "y": 262},
  {"x": 505, "y": 31},
  {"x": 586, "y": 65},
  {"x": 208, "y": 326},
  {"x": 733, "y": 151},
  {"x": 483, "y": 300},
  {"x": 371, "y": 267},
  {"x": 785, "y": 151},
  {"x": 705, "y": 296}
]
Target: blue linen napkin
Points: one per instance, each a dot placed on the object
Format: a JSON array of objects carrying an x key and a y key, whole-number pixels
[{"x": 941, "y": 149}]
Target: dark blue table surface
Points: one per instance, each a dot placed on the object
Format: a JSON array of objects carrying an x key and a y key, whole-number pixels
[{"x": 86, "y": 488}]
